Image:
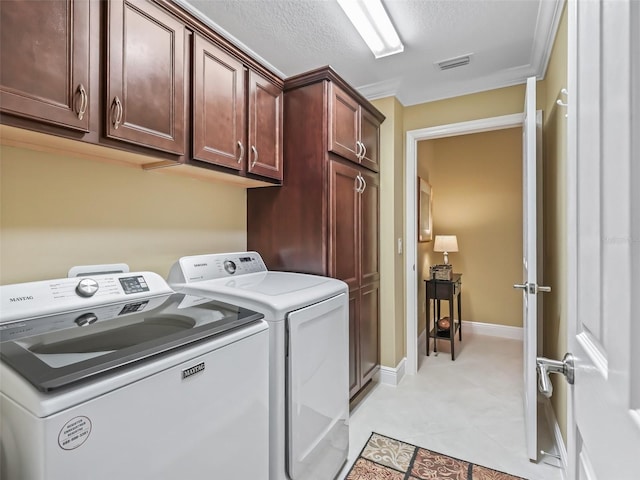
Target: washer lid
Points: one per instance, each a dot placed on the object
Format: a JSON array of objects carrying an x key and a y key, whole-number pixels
[{"x": 56, "y": 351}]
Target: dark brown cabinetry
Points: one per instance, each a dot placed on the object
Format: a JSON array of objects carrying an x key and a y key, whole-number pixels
[
  {"x": 45, "y": 61},
  {"x": 353, "y": 258},
  {"x": 324, "y": 219},
  {"x": 219, "y": 125},
  {"x": 354, "y": 132},
  {"x": 146, "y": 76},
  {"x": 265, "y": 127},
  {"x": 225, "y": 133}
]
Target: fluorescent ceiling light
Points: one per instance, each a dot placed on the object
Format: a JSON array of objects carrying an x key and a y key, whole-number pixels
[{"x": 374, "y": 26}]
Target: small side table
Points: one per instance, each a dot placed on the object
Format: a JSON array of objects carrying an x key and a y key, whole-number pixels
[{"x": 438, "y": 290}]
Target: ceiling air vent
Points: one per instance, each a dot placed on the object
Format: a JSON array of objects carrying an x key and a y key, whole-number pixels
[{"x": 454, "y": 62}]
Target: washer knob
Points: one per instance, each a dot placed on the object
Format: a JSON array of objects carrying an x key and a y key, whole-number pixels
[
  {"x": 86, "y": 319},
  {"x": 230, "y": 267},
  {"x": 87, "y": 287}
]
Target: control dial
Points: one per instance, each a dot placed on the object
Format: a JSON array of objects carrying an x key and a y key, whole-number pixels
[
  {"x": 230, "y": 267},
  {"x": 86, "y": 319},
  {"x": 87, "y": 287}
]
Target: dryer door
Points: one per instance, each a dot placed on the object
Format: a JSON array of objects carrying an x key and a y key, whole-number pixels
[{"x": 318, "y": 389}]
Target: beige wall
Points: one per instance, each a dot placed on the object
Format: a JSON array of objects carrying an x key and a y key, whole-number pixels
[
  {"x": 476, "y": 183},
  {"x": 392, "y": 324},
  {"x": 57, "y": 212},
  {"x": 492, "y": 103},
  {"x": 555, "y": 220}
]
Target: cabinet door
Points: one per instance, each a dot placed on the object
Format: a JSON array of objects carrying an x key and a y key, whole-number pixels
[
  {"x": 265, "y": 128},
  {"x": 344, "y": 224},
  {"x": 369, "y": 331},
  {"x": 145, "y": 82},
  {"x": 45, "y": 61},
  {"x": 344, "y": 121},
  {"x": 370, "y": 137},
  {"x": 369, "y": 228},
  {"x": 219, "y": 127},
  {"x": 354, "y": 351}
]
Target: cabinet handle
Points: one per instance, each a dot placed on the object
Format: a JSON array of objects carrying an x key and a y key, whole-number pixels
[
  {"x": 255, "y": 156},
  {"x": 364, "y": 184},
  {"x": 118, "y": 112},
  {"x": 358, "y": 180},
  {"x": 241, "y": 156},
  {"x": 83, "y": 102},
  {"x": 364, "y": 151},
  {"x": 358, "y": 149}
]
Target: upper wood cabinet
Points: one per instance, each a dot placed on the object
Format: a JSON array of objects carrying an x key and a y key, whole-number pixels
[
  {"x": 44, "y": 48},
  {"x": 145, "y": 76},
  {"x": 354, "y": 131},
  {"x": 237, "y": 114},
  {"x": 265, "y": 127},
  {"x": 219, "y": 92}
]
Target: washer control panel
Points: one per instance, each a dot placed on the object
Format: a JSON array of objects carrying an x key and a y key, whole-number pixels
[{"x": 48, "y": 297}]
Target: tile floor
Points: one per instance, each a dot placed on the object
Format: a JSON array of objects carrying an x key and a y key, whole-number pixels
[{"x": 470, "y": 409}]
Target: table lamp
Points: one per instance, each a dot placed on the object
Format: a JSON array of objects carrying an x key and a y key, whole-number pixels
[{"x": 446, "y": 244}]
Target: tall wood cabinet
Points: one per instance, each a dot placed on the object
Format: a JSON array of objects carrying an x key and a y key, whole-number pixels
[{"x": 324, "y": 219}]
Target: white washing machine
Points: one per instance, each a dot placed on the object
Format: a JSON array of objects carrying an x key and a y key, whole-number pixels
[
  {"x": 118, "y": 377},
  {"x": 308, "y": 319}
]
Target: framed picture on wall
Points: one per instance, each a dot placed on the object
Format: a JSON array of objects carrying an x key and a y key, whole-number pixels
[{"x": 425, "y": 220}]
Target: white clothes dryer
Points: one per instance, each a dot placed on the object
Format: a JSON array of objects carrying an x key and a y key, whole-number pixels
[
  {"x": 308, "y": 319},
  {"x": 118, "y": 377}
]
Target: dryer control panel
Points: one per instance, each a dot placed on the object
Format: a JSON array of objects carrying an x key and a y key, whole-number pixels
[{"x": 197, "y": 268}]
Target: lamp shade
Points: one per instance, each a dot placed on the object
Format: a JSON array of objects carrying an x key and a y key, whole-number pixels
[{"x": 445, "y": 243}]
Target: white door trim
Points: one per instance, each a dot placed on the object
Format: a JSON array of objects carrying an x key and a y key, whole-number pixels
[{"x": 411, "y": 241}]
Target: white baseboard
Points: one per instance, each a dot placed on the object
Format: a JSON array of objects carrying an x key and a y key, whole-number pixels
[
  {"x": 492, "y": 330},
  {"x": 392, "y": 376},
  {"x": 560, "y": 448},
  {"x": 422, "y": 343},
  {"x": 477, "y": 328}
]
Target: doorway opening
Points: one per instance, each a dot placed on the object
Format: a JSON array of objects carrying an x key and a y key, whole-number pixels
[{"x": 411, "y": 173}]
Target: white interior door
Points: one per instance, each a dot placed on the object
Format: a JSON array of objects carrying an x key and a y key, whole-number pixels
[
  {"x": 530, "y": 166},
  {"x": 603, "y": 198}
]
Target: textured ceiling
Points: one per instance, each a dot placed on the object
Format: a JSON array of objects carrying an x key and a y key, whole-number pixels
[{"x": 510, "y": 40}]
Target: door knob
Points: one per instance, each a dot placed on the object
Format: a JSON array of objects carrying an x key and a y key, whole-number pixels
[
  {"x": 545, "y": 366},
  {"x": 532, "y": 288}
]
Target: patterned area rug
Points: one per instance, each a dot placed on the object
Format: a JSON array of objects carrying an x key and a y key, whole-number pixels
[{"x": 384, "y": 458}]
